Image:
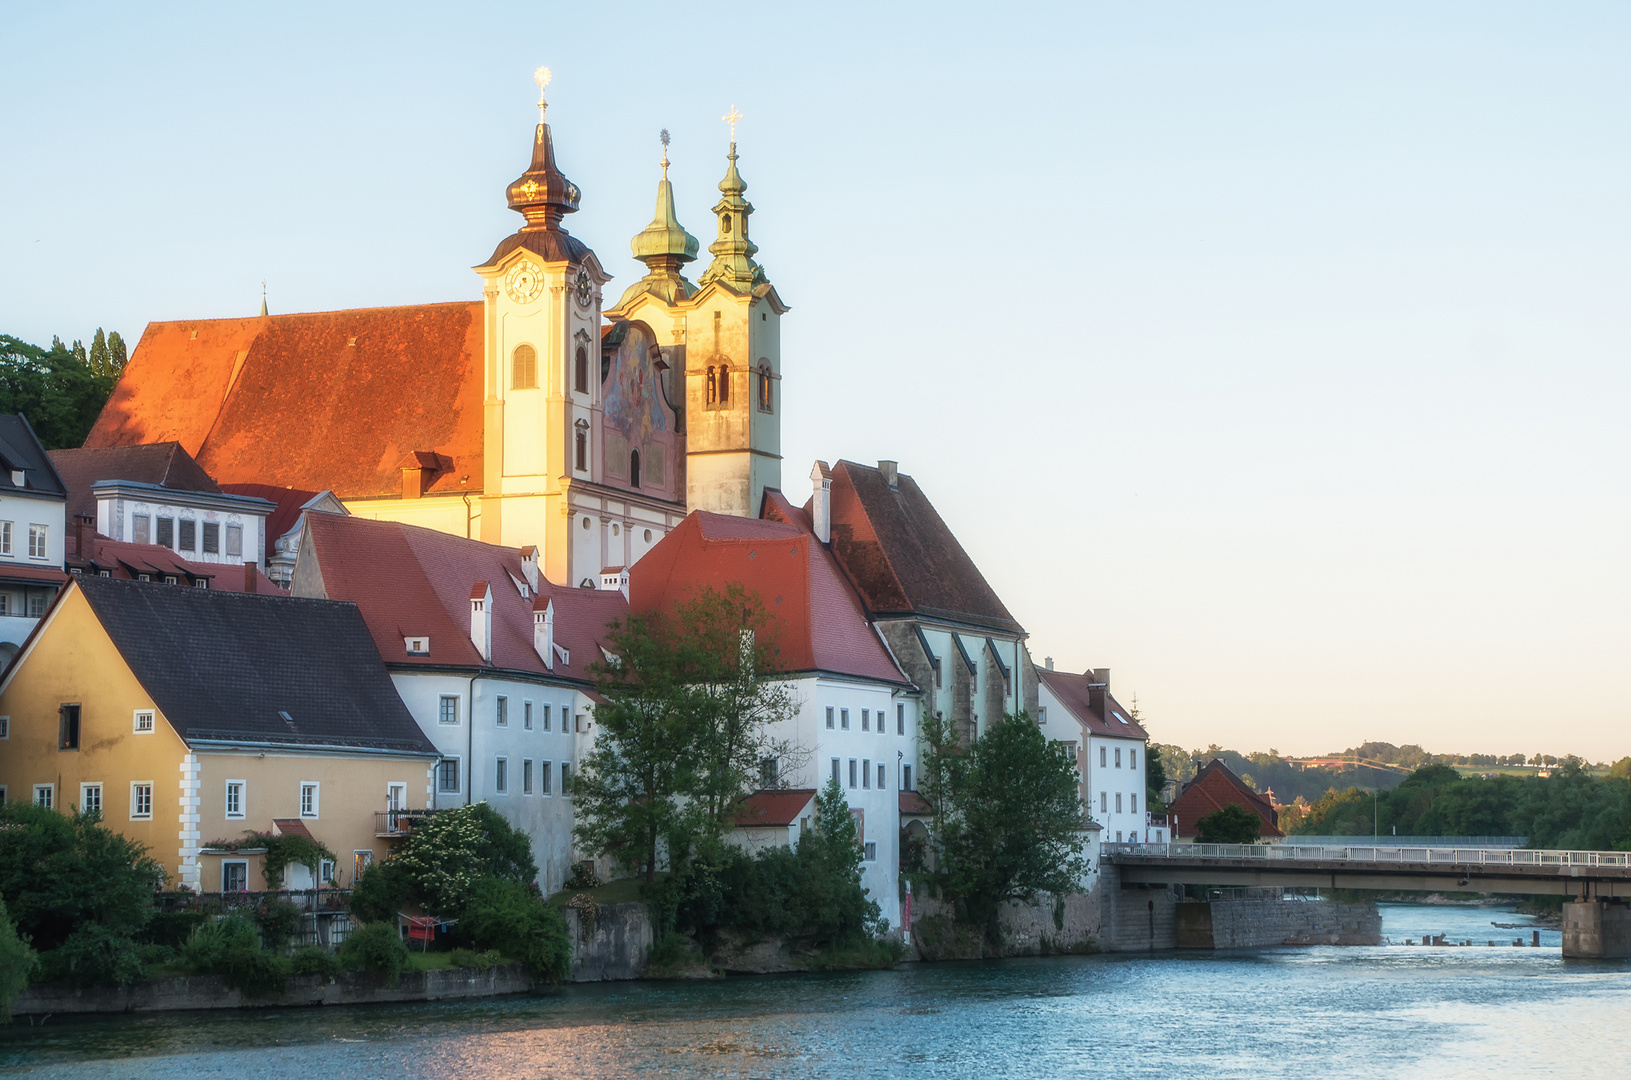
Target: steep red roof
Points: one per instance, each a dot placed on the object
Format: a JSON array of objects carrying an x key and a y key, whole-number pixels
[
  {"x": 773, "y": 808},
  {"x": 331, "y": 399},
  {"x": 914, "y": 805},
  {"x": 414, "y": 582},
  {"x": 822, "y": 624},
  {"x": 902, "y": 556},
  {"x": 166, "y": 464},
  {"x": 292, "y": 827},
  {"x": 286, "y": 503},
  {"x": 1213, "y": 788},
  {"x": 126, "y": 561},
  {"x": 1096, "y": 710}
]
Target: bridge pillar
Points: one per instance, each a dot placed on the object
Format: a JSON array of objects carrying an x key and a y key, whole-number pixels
[
  {"x": 1134, "y": 918},
  {"x": 1596, "y": 929}
]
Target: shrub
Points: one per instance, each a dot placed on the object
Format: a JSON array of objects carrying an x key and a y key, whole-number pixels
[
  {"x": 314, "y": 960},
  {"x": 451, "y": 850},
  {"x": 279, "y": 920},
  {"x": 380, "y": 894},
  {"x": 669, "y": 954},
  {"x": 172, "y": 928},
  {"x": 59, "y": 872},
  {"x": 583, "y": 876},
  {"x": 17, "y": 963},
  {"x": 231, "y": 948},
  {"x": 507, "y": 916},
  {"x": 375, "y": 947},
  {"x": 467, "y": 958},
  {"x": 93, "y": 955},
  {"x": 153, "y": 954}
]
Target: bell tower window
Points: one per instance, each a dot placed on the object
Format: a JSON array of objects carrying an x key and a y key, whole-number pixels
[
  {"x": 767, "y": 398},
  {"x": 724, "y": 384},
  {"x": 581, "y": 446},
  {"x": 580, "y": 373},
  {"x": 713, "y": 387},
  {"x": 634, "y": 468},
  {"x": 524, "y": 368}
]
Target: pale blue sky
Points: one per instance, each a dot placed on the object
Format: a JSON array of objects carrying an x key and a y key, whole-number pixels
[{"x": 1271, "y": 355}]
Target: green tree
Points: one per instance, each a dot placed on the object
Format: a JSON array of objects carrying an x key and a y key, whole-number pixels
[
  {"x": 1007, "y": 817},
  {"x": 98, "y": 360},
  {"x": 17, "y": 963},
  {"x": 55, "y": 389},
  {"x": 117, "y": 358},
  {"x": 1234, "y": 824},
  {"x": 448, "y": 853},
  {"x": 515, "y": 921},
  {"x": 63, "y": 872},
  {"x": 1155, "y": 778}
]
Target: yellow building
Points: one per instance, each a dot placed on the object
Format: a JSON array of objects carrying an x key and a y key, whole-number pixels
[{"x": 186, "y": 715}]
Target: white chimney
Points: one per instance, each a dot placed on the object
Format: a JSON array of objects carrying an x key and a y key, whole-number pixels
[
  {"x": 1047, "y": 662},
  {"x": 891, "y": 473},
  {"x": 543, "y": 632},
  {"x": 529, "y": 566},
  {"x": 821, "y": 501},
  {"x": 481, "y": 619}
]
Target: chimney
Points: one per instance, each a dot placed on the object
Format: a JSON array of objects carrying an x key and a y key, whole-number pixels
[
  {"x": 481, "y": 619},
  {"x": 891, "y": 474},
  {"x": 543, "y": 631},
  {"x": 250, "y": 584},
  {"x": 1101, "y": 675},
  {"x": 529, "y": 566},
  {"x": 1047, "y": 662},
  {"x": 821, "y": 501},
  {"x": 84, "y": 530}
]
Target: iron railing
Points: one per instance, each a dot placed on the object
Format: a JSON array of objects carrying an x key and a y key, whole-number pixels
[
  {"x": 393, "y": 823},
  {"x": 1375, "y": 853}
]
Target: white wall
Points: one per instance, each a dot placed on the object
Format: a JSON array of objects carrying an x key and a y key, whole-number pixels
[
  {"x": 1103, "y": 784},
  {"x": 116, "y": 518}
]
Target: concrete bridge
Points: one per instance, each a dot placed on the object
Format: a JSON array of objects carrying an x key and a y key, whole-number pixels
[{"x": 1596, "y": 923}]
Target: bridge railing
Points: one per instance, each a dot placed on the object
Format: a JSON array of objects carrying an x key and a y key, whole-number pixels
[{"x": 1373, "y": 853}]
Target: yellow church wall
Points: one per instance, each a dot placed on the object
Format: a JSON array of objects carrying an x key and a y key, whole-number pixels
[
  {"x": 444, "y": 513},
  {"x": 72, "y": 660}
]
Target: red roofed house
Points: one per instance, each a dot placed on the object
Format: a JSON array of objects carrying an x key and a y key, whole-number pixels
[
  {"x": 1213, "y": 788},
  {"x": 491, "y": 659},
  {"x": 1109, "y": 746},
  {"x": 857, "y": 719},
  {"x": 523, "y": 417}
]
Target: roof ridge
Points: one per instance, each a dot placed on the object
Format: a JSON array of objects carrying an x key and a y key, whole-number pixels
[{"x": 308, "y": 314}]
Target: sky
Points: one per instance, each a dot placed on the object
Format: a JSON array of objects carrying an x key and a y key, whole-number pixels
[{"x": 1272, "y": 355}]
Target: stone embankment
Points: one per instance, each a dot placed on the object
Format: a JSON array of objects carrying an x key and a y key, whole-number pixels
[{"x": 1257, "y": 924}]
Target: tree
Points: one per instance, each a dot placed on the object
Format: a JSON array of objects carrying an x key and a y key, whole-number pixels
[
  {"x": 56, "y": 389},
  {"x": 448, "y": 853},
  {"x": 117, "y": 358},
  {"x": 64, "y": 872},
  {"x": 1234, "y": 824},
  {"x": 1155, "y": 778},
  {"x": 17, "y": 963},
  {"x": 1007, "y": 817}
]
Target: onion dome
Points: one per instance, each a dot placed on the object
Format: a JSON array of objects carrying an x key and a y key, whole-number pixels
[
  {"x": 664, "y": 246},
  {"x": 733, "y": 252},
  {"x": 543, "y": 195}
]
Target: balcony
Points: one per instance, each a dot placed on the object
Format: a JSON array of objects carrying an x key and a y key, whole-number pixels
[{"x": 395, "y": 824}]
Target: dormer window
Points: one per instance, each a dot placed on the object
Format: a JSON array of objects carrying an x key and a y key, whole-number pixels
[{"x": 417, "y": 646}]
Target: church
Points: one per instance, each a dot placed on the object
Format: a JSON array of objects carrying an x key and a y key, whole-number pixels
[{"x": 538, "y": 416}]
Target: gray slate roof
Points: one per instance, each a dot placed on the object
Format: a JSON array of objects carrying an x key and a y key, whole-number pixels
[
  {"x": 227, "y": 666},
  {"x": 21, "y": 449}
]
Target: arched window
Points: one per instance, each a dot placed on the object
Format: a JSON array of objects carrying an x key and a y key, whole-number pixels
[
  {"x": 524, "y": 368},
  {"x": 580, "y": 374},
  {"x": 582, "y": 446},
  {"x": 724, "y": 384},
  {"x": 713, "y": 387},
  {"x": 767, "y": 398},
  {"x": 634, "y": 468}
]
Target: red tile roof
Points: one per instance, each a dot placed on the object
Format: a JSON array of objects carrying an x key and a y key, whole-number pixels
[
  {"x": 1096, "y": 710},
  {"x": 902, "y": 556},
  {"x": 286, "y": 504},
  {"x": 822, "y": 624},
  {"x": 292, "y": 827},
  {"x": 773, "y": 808},
  {"x": 1213, "y": 788},
  {"x": 414, "y": 582},
  {"x": 331, "y": 399},
  {"x": 10, "y": 571},
  {"x": 166, "y": 464},
  {"x": 125, "y": 561},
  {"x": 914, "y": 805}
]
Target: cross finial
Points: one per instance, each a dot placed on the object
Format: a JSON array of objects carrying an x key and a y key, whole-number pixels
[
  {"x": 664, "y": 137},
  {"x": 542, "y": 77},
  {"x": 731, "y": 118}
]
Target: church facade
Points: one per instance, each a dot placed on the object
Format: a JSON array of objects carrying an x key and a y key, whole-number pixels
[{"x": 536, "y": 416}]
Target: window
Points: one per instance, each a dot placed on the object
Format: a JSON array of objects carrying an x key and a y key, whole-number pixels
[
  {"x": 5, "y": 727},
  {"x": 835, "y": 771},
  {"x": 447, "y": 776},
  {"x": 2, "y": 794},
  {"x": 36, "y": 541},
  {"x": 417, "y": 646},
  {"x": 235, "y": 798},
  {"x": 843, "y": 721},
  {"x": 766, "y": 398},
  {"x": 234, "y": 876},
  {"x": 503, "y": 715},
  {"x": 829, "y": 716},
  {"x": 526, "y": 716},
  {"x": 546, "y": 717},
  {"x": 869, "y": 851},
  {"x": 900, "y": 718},
  {"x": 866, "y": 773},
  {"x": 36, "y": 604},
  {"x": 526, "y": 776},
  {"x": 167, "y": 532},
  {"x": 308, "y": 798},
  {"x": 325, "y": 871},
  {"x": 1118, "y": 757},
  {"x": 524, "y": 368},
  {"x": 170, "y": 579},
  {"x": 724, "y": 384},
  {"x": 581, "y": 454},
  {"x": 852, "y": 772},
  {"x": 1118, "y": 802},
  {"x": 212, "y": 538},
  {"x": 396, "y": 796},
  {"x": 1132, "y": 759},
  {"x": 1118, "y": 836},
  {"x": 501, "y": 776},
  {"x": 713, "y": 387},
  {"x": 1041, "y": 714},
  {"x": 44, "y": 795},
  {"x": 360, "y": 862},
  {"x": 90, "y": 798},
  {"x": 1104, "y": 803},
  {"x": 634, "y": 468},
  {"x": 141, "y": 529},
  {"x": 1101, "y": 757},
  {"x": 580, "y": 371},
  {"x": 235, "y": 545},
  {"x": 866, "y": 719},
  {"x": 566, "y": 778},
  {"x": 144, "y": 722},
  {"x": 68, "y": 727},
  {"x": 189, "y": 535},
  {"x": 906, "y": 778},
  {"x": 201, "y": 583},
  {"x": 1134, "y": 798},
  {"x": 544, "y": 778},
  {"x": 5, "y": 538},
  {"x": 449, "y": 711},
  {"x": 141, "y": 800}
]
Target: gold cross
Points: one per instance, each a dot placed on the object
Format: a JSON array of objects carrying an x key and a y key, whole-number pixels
[
  {"x": 542, "y": 77},
  {"x": 731, "y": 118}
]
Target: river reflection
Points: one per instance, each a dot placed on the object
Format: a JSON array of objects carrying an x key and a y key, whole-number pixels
[{"x": 1392, "y": 1011}]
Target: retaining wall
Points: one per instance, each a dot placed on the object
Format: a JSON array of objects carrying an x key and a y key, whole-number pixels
[
  {"x": 611, "y": 947},
  {"x": 1255, "y": 924}
]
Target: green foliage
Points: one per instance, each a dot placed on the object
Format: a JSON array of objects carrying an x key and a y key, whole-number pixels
[
  {"x": 376, "y": 947},
  {"x": 60, "y": 872},
  {"x": 683, "y": 732},
  {"x": 865, "y": 955},
  {"x": 285, "y": 850},
  {"x": 381, "y": 893},
  {"x": 314, "y": 960},
  {"x": 1233, "y": 824},
  {"x": 230, "y": 947},
  {"x": 508, "y": 917},
  {"x": 56, "y": 389},
  {"x": 1155, "y": 778},
  {"x": 17, "y": 963},
  {"x": 153, "y": 955},
  {"x": 448, "y": 852},
  {"x": 1007, "y": 820},
  {"x": 172, "y": 928},
  {"x": 279, "y": 921},
  {"x": 478, "y": 961},
  {"x": 93, "y": 955},
  {"x": 670, "y": 954},
  {"x": 583, "y": 877}
]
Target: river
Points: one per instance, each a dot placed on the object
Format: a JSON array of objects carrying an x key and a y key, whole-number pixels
[{"x": 1391, "y": 1011}]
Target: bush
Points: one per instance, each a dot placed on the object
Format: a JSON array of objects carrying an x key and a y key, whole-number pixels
[
  {"x": 583, "y": 877},
  {"x": 669, "y": 954},
  {"x": 279, "y": 921},
  {"x": 482, "y": 961},
  {"x": 380, "y": 894},
  {"x": 510, "y": 918},
  {"x": 17, "y": 963},
  {"x": 314, "y": 960},
  {"x": 153, "y": 954},
  {"x": 93, "y": 955},
  {"x": 450, "y": 851},
  {"x": 172, "y": 928},
  {"x": 59, "y": 872},
  {"x": 231, "y": 948},
  {"x": 375, "y": 947}
]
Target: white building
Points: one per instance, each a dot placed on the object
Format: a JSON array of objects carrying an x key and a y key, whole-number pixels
[
  {"x": 32, "y": 541},
  {"x": 1109, "y": 746}
]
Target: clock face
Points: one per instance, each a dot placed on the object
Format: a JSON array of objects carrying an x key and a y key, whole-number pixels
[
  {"x": 523, "y": 282},
  {"x": 584, "y": 288}
]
